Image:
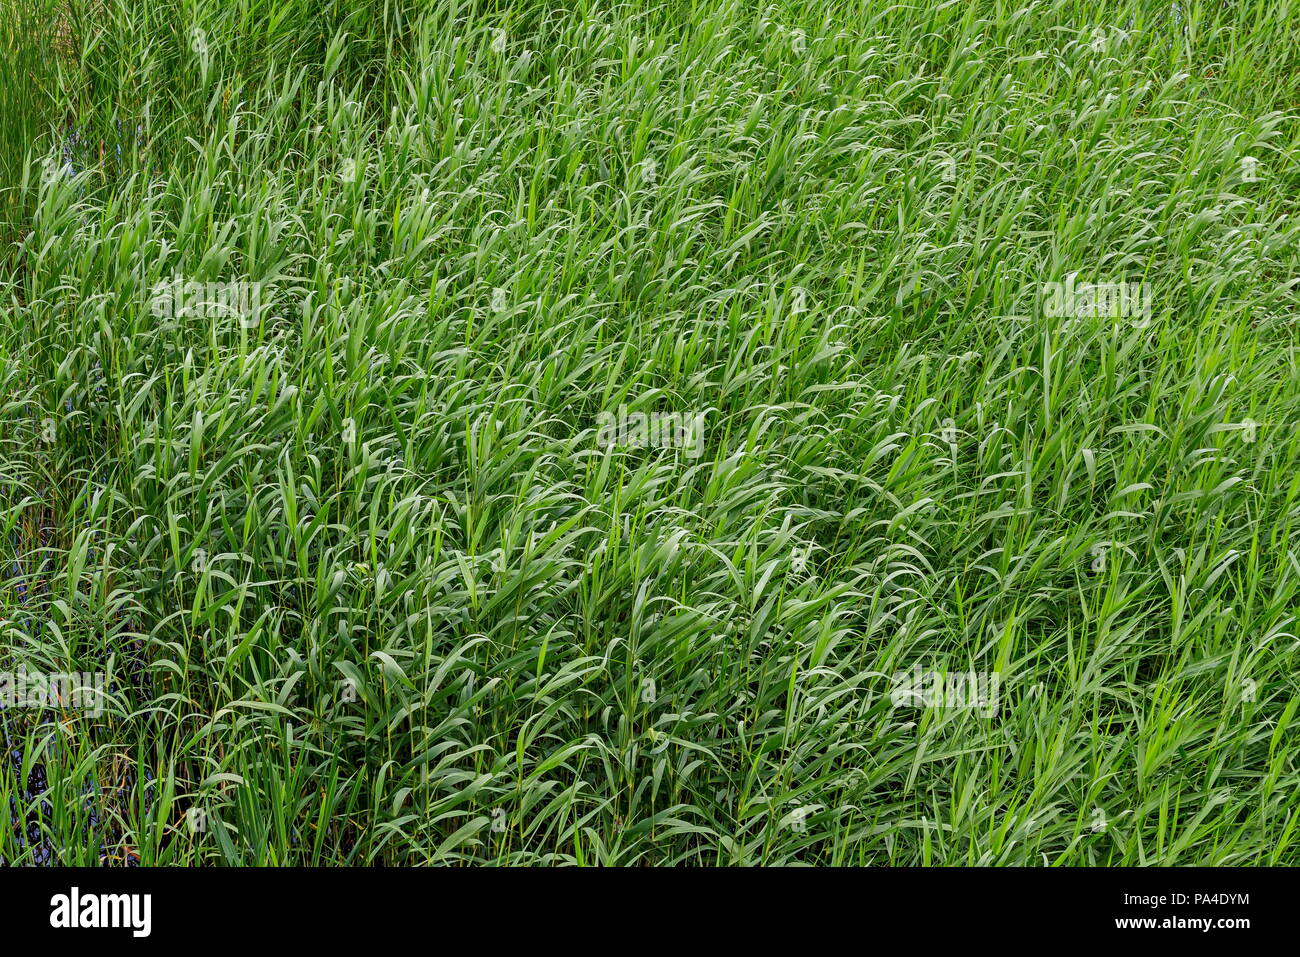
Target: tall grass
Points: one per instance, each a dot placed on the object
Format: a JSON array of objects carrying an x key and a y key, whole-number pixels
[
  {"x": 368, "y": 582},
  {"x": 33, "y": 34}
]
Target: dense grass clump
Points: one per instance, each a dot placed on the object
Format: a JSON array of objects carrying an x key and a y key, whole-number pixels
[{"x": 534, "y": 433}]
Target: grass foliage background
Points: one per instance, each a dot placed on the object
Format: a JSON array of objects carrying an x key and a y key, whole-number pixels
[{"x": 568, "y": 653}]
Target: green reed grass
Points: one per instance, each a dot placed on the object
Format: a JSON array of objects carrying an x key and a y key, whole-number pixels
[{"x": 367, "y": 587}]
